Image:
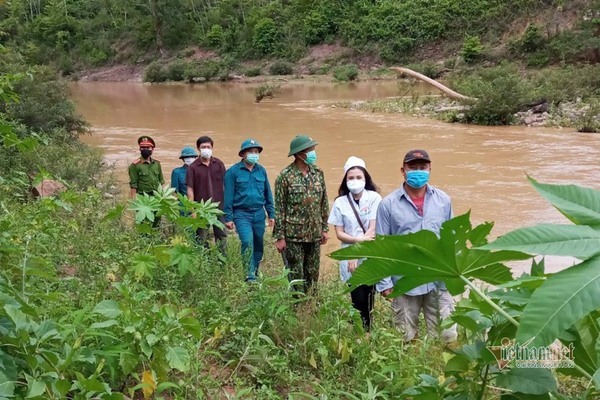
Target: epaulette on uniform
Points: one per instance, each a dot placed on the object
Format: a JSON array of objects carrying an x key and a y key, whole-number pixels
[{"x": 137, "y": 161}]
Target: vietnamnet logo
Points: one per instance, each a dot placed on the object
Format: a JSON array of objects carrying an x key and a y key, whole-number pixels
[{"x": 556, "y": 355}]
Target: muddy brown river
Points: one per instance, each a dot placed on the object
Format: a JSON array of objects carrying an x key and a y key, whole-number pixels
[{"x": 482, "y": 168}]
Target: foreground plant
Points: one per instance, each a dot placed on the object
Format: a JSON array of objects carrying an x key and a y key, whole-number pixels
[{"x": 533, "y": 310}]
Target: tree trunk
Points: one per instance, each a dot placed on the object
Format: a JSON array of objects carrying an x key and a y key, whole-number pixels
[{"x": 447, "y": 91}]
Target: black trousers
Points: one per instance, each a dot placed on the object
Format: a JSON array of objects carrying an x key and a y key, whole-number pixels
[
  {"x": 363, "y": 299},
  {"x": 220, "y": 236}
]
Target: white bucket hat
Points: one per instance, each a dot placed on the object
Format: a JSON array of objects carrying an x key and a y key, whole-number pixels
[{"x": 354, "y": 162}]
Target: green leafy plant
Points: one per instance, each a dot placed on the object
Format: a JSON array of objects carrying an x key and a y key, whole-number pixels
[
  {"x": 281, "y": 68},
  {"x": 535, "y": 309},
  {"x": 472, "y": 49},
  {"x": 346, "y": 73}
]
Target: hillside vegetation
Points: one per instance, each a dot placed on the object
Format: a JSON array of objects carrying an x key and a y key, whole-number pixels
[{"x": 77, "y": 34}]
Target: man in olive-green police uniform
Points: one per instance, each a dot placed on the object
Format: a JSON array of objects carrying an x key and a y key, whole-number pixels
[
  {"x": 145, "y": 173},
  {"x": 301, "y": 211}
]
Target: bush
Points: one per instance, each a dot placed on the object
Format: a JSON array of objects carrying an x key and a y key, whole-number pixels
[
  {"x": 266, "y": 36},
  {"x": 496, "y": 95},
  {"x": 215, "y": 36},
  {"x": 281, "y": 68},
  {"x": 176, "y": 70},
  {"x": 252, "y": 71},
  {"x": 345, "y": 73},
  {"x": 472, "y": 49},
  {"x": 155, "y": 72},
  {"x": 206, "y": 70}
]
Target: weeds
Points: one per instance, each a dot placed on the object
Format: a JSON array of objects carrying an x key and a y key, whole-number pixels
[{"x": 266, "y": 90}]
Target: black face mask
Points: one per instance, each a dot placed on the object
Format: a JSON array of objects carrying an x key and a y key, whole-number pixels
[{"x": 145, "y": 153}]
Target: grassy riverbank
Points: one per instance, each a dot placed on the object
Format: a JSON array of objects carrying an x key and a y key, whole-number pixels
[{"x": 92, "y": 308}]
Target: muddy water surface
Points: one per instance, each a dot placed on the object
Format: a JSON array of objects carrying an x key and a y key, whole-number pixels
[{"x": 483, "y": 169}]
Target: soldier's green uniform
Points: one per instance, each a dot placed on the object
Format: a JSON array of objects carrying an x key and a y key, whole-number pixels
[
  {"x": 301, "y": 210},
  {"x": 145, "y": 175}
]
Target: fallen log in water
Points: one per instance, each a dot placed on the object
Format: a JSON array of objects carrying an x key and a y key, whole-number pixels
[{"x": 447, "y": 91}]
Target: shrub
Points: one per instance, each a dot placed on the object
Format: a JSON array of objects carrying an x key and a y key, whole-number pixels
[
  {"x": 281, "y": 68},
  {"x": 472, "y": 49},
  {"x": 345, "y": 73},
  {"x": 215, "y": 36},
  {"x": 155, "y": 72},
  {"x": 253, "y": 71},
  {"x": 206, "y": 69},
  {"x": 266, "y": 36},
  {"x": 496, "y": 94},
  {"x": 266, "y": 90},
  {"x": 176, "y": 70}
]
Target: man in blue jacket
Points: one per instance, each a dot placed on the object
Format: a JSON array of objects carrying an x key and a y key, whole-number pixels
[
  {"x": 247, "y": 196},
  {"x": 188, "y": 155}
]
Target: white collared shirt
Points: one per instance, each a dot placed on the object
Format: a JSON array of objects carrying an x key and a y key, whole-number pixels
[{"x": 342, "y": 215}]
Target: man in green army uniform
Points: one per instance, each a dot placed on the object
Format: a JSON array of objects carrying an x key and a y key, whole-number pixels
[
  {"x": 301, "y": 211},
  {"x": 145, "y": 173}
]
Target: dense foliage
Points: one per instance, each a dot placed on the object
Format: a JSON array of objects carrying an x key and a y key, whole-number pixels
[{"x": 82, "y": 33}]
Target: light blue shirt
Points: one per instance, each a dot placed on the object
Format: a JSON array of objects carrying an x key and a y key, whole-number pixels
[{"x": 397, "y": 215}]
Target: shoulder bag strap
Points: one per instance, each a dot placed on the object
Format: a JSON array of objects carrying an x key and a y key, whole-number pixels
[{"x": 351, "y": 201}]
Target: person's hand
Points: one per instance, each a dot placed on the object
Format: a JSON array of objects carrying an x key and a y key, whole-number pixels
[
  {"x": 386, "y": 292},
  {"x": 280, "y": 245},
  {"x": 352, "y": 264},
  {"x": 324, "y": 237},
  {"x": 229, "y": 225},
  {"x": 366, "y": 238},
  {"x": 271, "y": 222}
]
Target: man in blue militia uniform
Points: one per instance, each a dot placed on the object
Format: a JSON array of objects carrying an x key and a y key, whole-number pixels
[
  {"x": 188, "y": 155},
  {"x": 247, "y": 196}
]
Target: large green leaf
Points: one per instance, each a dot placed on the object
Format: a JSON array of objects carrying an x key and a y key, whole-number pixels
[
  {"x": 565, "y": 298},
  {"x": 422, "y": 257},
  {"x": 585, "y": 333},
  {"x": 108, "y": 308},
  {"x": 528, "y": 380},
  {"x": 579, "y": 204},
  {"x": 178, "y": 358},
  {"x": 556, "y": 240}
]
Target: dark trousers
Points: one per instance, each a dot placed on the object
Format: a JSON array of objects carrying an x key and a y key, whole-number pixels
[
  {"x": 220, "y": 235},
  {"x": 363, "y": 299},
  {"x": 303, "y": 259}
]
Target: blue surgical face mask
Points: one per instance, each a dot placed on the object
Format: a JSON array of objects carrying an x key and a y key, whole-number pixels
[
  {"x": 252, "y": 158},
  {"x": 417, "y": 178},
  {"x": 311, "y": 157}
]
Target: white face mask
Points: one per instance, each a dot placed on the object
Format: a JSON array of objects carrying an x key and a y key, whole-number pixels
[
  {"x": 188, "y": 160},
  {"x": 206, "y": 153},
  {"x": 356, "y": 185}
]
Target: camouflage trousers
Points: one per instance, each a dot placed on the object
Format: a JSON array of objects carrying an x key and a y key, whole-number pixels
[{"x": 303, "y": 260}]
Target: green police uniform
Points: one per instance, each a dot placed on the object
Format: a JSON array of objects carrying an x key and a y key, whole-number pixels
[
  {"x": 145, "y": 175},
  {"x": 301, "y": 210}
]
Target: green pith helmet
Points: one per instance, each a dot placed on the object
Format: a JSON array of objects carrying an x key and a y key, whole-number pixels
[
  {"x": 188, "y": 151},
  {"x": 250, "y": 144},
  {"x": 301, "y": 142}
]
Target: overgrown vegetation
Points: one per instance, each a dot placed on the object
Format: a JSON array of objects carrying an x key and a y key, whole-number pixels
[
  {"x": 79, "y": 34},
  {"x": 532, "y": 311}
]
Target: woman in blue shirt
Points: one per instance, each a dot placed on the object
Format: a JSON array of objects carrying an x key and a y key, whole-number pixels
[
  {"x": 247, "y": 196},
  {"x": 188, "y": 155}
]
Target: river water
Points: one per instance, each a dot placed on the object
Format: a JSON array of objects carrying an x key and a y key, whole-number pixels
[{"x": 483, "y": 169}]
